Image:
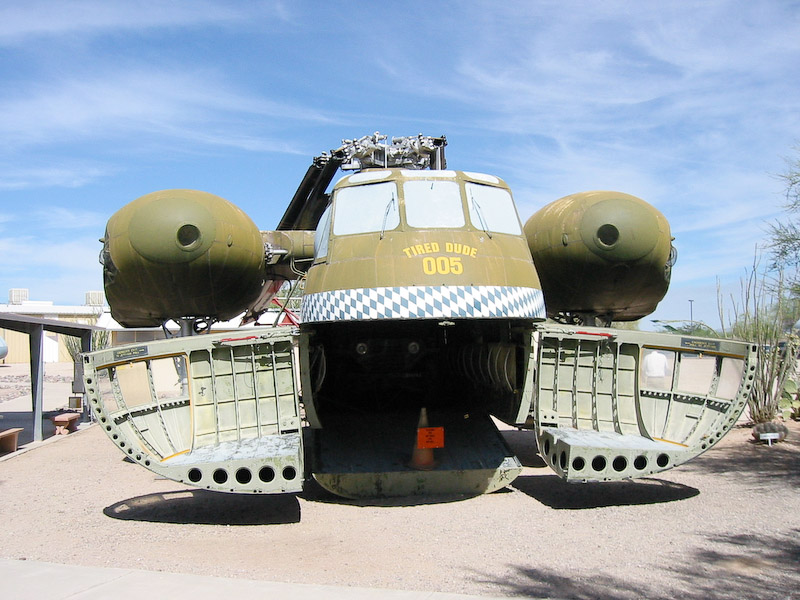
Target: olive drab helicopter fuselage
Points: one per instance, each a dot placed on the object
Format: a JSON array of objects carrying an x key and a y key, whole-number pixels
[{"x": 423, "y": 322}]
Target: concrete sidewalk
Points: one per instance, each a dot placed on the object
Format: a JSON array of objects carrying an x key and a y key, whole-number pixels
[{"x": 33, "y": 580}]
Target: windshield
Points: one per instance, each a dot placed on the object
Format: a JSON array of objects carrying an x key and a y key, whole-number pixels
[
  {"x": 492, "y": 209},
  {"x": 365, "y": 209},
  {"x": 322, "y": 234},
  {"x": 433, "y": 204}
]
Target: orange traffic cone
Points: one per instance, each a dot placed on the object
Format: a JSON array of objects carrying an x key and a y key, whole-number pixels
[{"x": 422, "y": 457}]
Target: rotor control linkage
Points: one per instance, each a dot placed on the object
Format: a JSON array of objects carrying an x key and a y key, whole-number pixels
[{"x": 367, "y": 152}]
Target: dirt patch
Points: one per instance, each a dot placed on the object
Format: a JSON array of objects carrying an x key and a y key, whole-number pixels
[
  {"x": 725, "y": 525},
  {"x": 15, "y": 380}
]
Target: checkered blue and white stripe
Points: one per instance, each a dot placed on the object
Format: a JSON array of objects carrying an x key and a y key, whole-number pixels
[{"x": 423, "y": 302}]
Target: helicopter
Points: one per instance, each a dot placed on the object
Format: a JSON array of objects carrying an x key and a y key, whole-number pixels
[{"x": 429, "y": 313}]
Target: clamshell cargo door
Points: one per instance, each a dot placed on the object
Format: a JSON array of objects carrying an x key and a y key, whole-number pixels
[
  {"x": 613, "y": 404},
  {"x": 219, "y": 411}
]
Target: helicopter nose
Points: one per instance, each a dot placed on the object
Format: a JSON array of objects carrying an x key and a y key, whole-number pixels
[
  {"x": 172, "y": 228},
  {"x": 620, "y": 229}
]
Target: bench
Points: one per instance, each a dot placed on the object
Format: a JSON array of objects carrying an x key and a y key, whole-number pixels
[
  {"x": 8, "y": 440},
  {"x": 66, "y": 422}
]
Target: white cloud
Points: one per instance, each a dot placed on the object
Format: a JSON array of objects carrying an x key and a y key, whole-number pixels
[
  {"x": 71, "y": 176},
  {"x": 688, "y": 77},
  {"x": 688, "y": 105},
  {"x": 20, "y": 20},
  {"x": 140, "y": 104},
  {"x": 239, "y": 140},
  {"x": 49, "y": 242},
  {"x": 723, "y": 36},
  {"x": 59, "y": 217},
  {"x": 22, "y": 252},
  {"x": 59, "y": 268}
]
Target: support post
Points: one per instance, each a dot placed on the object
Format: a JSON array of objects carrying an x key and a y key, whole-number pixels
[
  {"x": 77, "y": 372},
  {"x": 36, "y": 341}
]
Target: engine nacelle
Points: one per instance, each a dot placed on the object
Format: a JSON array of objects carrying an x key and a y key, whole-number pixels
[
  {"x": 179, "y": 253},
  {"x": 602, "y": 255}
]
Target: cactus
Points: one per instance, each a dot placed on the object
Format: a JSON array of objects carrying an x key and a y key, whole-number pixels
[
  {"x": 790, "y": 400},
  {"x": 770, "y": 427}
]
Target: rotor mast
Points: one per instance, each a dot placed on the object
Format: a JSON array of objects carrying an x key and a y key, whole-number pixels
[{"x": 367, "y": 152}]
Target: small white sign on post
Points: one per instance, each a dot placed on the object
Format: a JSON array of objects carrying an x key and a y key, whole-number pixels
[{"x": 768, "y": 437}]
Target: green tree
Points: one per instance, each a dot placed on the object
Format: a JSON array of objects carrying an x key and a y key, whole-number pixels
[
  {"x": 760, "y": 316},
  {"x": 770, "y": 305},
  {"x": 784, "y": 240},
  {"x": 100, "y": 339},
  {"x": 679, "y": 327},
  {"x": 626, "y": 325}
]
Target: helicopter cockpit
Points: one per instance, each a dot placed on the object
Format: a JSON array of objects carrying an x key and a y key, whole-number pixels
[{"x": 380, "y": 201}]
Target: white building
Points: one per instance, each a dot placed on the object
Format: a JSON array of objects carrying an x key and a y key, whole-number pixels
[
  {"x": 54, "y": 348},
  {"x": 93, "y": 312}
]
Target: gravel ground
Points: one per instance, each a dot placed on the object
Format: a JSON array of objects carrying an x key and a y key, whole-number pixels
[
  {"x": 726, "y": 525},
  {"x": 18, "y": 383}
]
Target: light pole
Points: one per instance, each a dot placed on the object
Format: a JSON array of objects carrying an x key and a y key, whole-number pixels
[{"x": 691, "y": 312}]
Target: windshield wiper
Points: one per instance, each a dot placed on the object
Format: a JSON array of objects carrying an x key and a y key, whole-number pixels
[
  {"x": 478, "y": 211},
  {"x": 386, "y": 214}
]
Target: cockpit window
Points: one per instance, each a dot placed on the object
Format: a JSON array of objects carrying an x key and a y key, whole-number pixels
[
  {"x": 366, "y": 208},
  {"x": 433, "y": 204},
  {"x": 322, "y": 234},
  {"x": 492, "y": 209}
]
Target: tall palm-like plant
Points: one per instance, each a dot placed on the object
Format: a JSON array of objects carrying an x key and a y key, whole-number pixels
[{"x": 761, "y": 317}]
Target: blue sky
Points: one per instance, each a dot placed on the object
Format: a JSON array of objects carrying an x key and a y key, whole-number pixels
[{"x": 693, "y": 106}]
